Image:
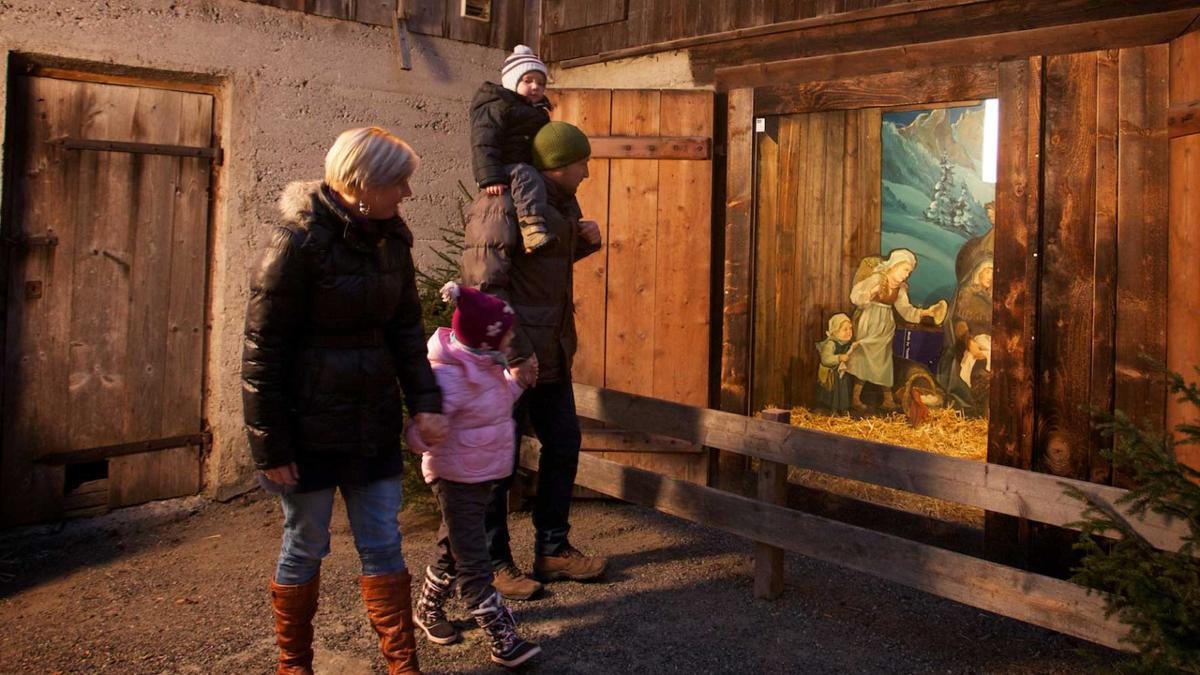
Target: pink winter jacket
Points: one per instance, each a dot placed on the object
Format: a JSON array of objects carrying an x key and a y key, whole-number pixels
[{"x": 477, "y": 398}]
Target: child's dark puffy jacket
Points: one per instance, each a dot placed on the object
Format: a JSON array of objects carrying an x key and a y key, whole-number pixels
[{"x": 503, "y": 125}]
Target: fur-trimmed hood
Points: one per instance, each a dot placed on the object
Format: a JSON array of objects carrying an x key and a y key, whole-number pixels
[{"x": 296, "y": 200}]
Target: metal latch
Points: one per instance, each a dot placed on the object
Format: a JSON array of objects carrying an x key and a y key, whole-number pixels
[{"x": 48, "y": 240}]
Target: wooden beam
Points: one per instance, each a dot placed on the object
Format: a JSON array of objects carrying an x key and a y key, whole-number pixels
[
  {"x": 1003, "y": 489},
  {"x": 911, "y": 87},
  {"x": 1032, "y": 598},
  {"x": 651, "y": 147},
  {"x": 738, "y": 275},
  {"x": 1183, "y": 119},
  {"x": 758, "y": 31},
  {"x": 1109, "y": 34},
  {"x": 619, "y": 440}
]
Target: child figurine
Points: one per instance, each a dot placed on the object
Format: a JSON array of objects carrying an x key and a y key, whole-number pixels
[
  {"x": 504, "y": 120},
  {"x": 833, "y": 387},
  {"x": 478, "y": 394}
]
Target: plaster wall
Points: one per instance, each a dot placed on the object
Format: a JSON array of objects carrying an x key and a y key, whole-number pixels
[
  {"x": 666, "y": 70},
  {"x": 289, "y": 83}
]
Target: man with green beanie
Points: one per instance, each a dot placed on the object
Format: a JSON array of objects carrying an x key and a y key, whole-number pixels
[{"x": 539, "y": 288}]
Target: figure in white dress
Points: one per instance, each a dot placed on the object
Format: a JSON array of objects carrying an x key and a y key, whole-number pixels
[{"x": 878, "y": 295}]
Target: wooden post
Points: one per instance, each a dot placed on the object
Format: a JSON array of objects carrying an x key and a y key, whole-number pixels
[
  {"x": 730, "y": 468},
  {"x": 772, "y": 489}
]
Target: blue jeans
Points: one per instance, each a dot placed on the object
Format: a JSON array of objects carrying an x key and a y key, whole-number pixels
[{"x": 372, "y": 510}]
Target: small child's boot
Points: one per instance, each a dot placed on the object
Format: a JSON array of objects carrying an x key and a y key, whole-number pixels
[
  {"x": 430, "y": 614},
  {"x": 534, "y": 235},
  {"x": 508, "y": 649}
]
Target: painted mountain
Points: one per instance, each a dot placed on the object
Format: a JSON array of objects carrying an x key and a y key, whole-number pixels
[{"x": 933, "y": 195}]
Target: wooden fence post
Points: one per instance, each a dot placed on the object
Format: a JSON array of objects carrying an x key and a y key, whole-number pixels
[{"x": 772, "y": 489}]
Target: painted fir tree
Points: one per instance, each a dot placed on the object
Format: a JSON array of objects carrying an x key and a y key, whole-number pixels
[{"x": 941, "y": 209}]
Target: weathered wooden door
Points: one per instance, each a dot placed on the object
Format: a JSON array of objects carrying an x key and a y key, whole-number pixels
[
  {"x": 106, "y": 241},
  {"x": 642, "y": 304}
]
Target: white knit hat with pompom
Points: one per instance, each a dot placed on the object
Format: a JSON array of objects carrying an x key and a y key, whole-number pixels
[{"x": 521, "y": 61}]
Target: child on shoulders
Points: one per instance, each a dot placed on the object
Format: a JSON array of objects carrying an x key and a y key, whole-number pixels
[{"x": 504, "y": 120}]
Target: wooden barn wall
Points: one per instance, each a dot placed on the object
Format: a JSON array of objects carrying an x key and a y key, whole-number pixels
[
  {"x": 818, "y": 213},
  {"x": 1103, "y": 280},
  {"x": 511, "y": 22},
  {"x": 574, "y": 29},
  {"x": 1183, "y": 285}
]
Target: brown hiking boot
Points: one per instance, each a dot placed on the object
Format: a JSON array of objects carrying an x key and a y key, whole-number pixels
[
  {"x": 514, "y": 584},
  {"x": 569, "y": 563}
]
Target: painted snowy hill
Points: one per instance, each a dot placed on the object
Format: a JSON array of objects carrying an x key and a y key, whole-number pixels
[{"x": 932, "y": 194}]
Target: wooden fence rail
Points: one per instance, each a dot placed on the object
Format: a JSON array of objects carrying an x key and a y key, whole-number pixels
[
  {"x": 1033, "y": 598},
  {"x": 1003, "y": 489}
]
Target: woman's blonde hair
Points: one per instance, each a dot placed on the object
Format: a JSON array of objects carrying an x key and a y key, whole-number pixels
[{"x": 367, "y": 158}]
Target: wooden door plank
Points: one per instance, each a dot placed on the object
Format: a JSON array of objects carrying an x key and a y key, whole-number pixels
[
  {"x": 1142, "y": 234},
  {"x": 37, "y": 329},
  {"x": 135, "y": 479},
  {"x": 1183, "y": 281},
  {"x": 590, "y": 110},
  {"x": 736, "y": 343},
  {"x": 154, "y": 181},
  {"x": 1015, "y": 290},
  {"x": 766, "y": 198},
  {"x": 1068, "y": 266},
  {"x": 101, "y": 279},
  {"x": 1104, "y": 291},
  {"x": 184, "y": 326},
  {"x": 683, "y": 256},
  {"x": 632, "y": 249}
]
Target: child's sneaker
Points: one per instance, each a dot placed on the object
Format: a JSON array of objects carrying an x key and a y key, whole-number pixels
[
  {"x": 508, "y": 649},
  {"x": 430, "y": 614},
  {"x": 534, "y": 235}
]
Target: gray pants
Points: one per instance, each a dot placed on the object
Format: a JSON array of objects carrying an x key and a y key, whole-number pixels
[
  {"x": 463, "y": 539},
  {"x": 528, "y": 191}
]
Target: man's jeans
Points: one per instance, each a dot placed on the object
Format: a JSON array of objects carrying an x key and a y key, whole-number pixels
[
  {"x": 551, "y": 410},
  {"x": 372, "y": 511}
]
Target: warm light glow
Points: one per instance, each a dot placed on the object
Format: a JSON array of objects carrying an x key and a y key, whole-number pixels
[{"x": 991, "y": 138}]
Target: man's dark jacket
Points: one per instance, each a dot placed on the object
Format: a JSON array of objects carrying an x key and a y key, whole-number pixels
[
  {"x": 503, "y": 125},
  {"x": 539, "y": 286},
  {"x": 332, "y": 327}
]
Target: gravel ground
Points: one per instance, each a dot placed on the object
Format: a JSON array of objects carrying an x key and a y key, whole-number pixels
[{"x": 179, "y": 587}]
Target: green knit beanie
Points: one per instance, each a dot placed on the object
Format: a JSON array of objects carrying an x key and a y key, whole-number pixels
[{"x": 559, "y": 144}]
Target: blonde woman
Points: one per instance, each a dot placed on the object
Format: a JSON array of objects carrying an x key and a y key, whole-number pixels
[
  {"x": 877, "y": 296},
  {"x": 333, "y": 336}
]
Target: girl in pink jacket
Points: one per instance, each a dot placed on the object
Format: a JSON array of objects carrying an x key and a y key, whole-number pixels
[{"x": 478, "y": 394}]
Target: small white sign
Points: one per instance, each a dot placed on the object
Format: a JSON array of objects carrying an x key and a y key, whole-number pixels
[{"x": 760, "y": 124}]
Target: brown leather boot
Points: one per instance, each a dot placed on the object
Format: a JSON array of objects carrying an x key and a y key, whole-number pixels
[
  {"x": 294, "y": 609},
  {"x": 568, "y": 563},
  {"x": 389, "y": 606}
]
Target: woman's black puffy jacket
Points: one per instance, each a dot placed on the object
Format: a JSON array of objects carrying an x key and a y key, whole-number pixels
[{"x": 333, "y": 333}]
